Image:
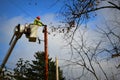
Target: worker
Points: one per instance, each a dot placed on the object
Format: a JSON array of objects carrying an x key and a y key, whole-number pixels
[{"x": 38, "y": 22}]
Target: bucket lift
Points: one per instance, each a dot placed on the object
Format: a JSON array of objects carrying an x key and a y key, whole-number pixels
[{"x": 31, "y": 33}]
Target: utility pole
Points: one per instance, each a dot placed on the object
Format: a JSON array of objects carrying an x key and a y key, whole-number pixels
[
  {"x": 46, "y": 51},
  {"x": 57, "y": 74}
]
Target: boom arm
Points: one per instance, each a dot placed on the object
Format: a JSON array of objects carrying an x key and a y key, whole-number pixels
[
  {"x": 16, "y": 36},
  {"x": 9, "y": 52},
  {"x": 31, "y": 34}
]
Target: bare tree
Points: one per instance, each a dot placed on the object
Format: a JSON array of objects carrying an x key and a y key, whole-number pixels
[
  {"x": 84, "y": 54},
  {"x": 77, "y": 12},
  {"x": 81, "y": 9},
  {"x": 91, "y": 56}
]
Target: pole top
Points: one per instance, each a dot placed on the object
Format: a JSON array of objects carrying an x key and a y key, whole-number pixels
[
  {"x": 45, "y": 25},
  {"x": 44, "y": 29}
]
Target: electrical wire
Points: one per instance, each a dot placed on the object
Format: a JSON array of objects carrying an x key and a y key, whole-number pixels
[{"x": 13, "y": 3}]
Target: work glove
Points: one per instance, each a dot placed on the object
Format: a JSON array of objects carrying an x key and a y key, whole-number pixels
[{"x": 44, "y": 25}]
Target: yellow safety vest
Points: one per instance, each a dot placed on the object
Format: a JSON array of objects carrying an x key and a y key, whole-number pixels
[{"x": 37, "y": 22}]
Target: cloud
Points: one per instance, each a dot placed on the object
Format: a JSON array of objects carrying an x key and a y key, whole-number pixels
[
  {"x": 26, "y": 50},
  {"x": 6, "y": 31},
  {"x": 92, "y": 38},
  {"x": 23, "y": 48}
]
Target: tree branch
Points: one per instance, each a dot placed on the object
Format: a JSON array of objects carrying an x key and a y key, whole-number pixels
[{"x": 95, "y": 9}]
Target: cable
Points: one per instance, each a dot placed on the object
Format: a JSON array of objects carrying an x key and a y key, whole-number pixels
[{"x": 12, "y": 2}]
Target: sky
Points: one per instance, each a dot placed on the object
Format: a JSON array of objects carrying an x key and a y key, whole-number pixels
[
  {"x": 28, "y": 8},
  {"x": 13, "y": 12}
]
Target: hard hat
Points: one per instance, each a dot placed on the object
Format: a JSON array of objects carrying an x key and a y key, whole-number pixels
[{"x": 38, "y": 17}]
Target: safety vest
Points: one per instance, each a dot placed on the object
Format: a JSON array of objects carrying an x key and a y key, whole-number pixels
[{"x": 37, "y": 22}]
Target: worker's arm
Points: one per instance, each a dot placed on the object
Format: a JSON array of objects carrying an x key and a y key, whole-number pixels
[
  {"x": 40, "y": 24},
  {"x": 37, "y": 22}
]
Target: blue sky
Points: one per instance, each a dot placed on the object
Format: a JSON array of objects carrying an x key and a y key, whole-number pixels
[
  {"x": 13, "y": 12},
  {"x": 28, "y": 8}
]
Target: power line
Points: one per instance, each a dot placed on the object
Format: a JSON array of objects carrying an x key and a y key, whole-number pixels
[{"x": 13, "y": 3}]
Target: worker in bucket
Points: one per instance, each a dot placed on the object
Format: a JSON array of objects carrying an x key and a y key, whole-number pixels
[
  {"x": 32, "y": 27},
  {"x": 38, "y": 22}
]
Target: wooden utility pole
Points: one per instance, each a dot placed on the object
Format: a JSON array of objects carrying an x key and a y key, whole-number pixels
[
  {"x": 46, "y": 51},
  {"x": 57, "y": 74}
]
